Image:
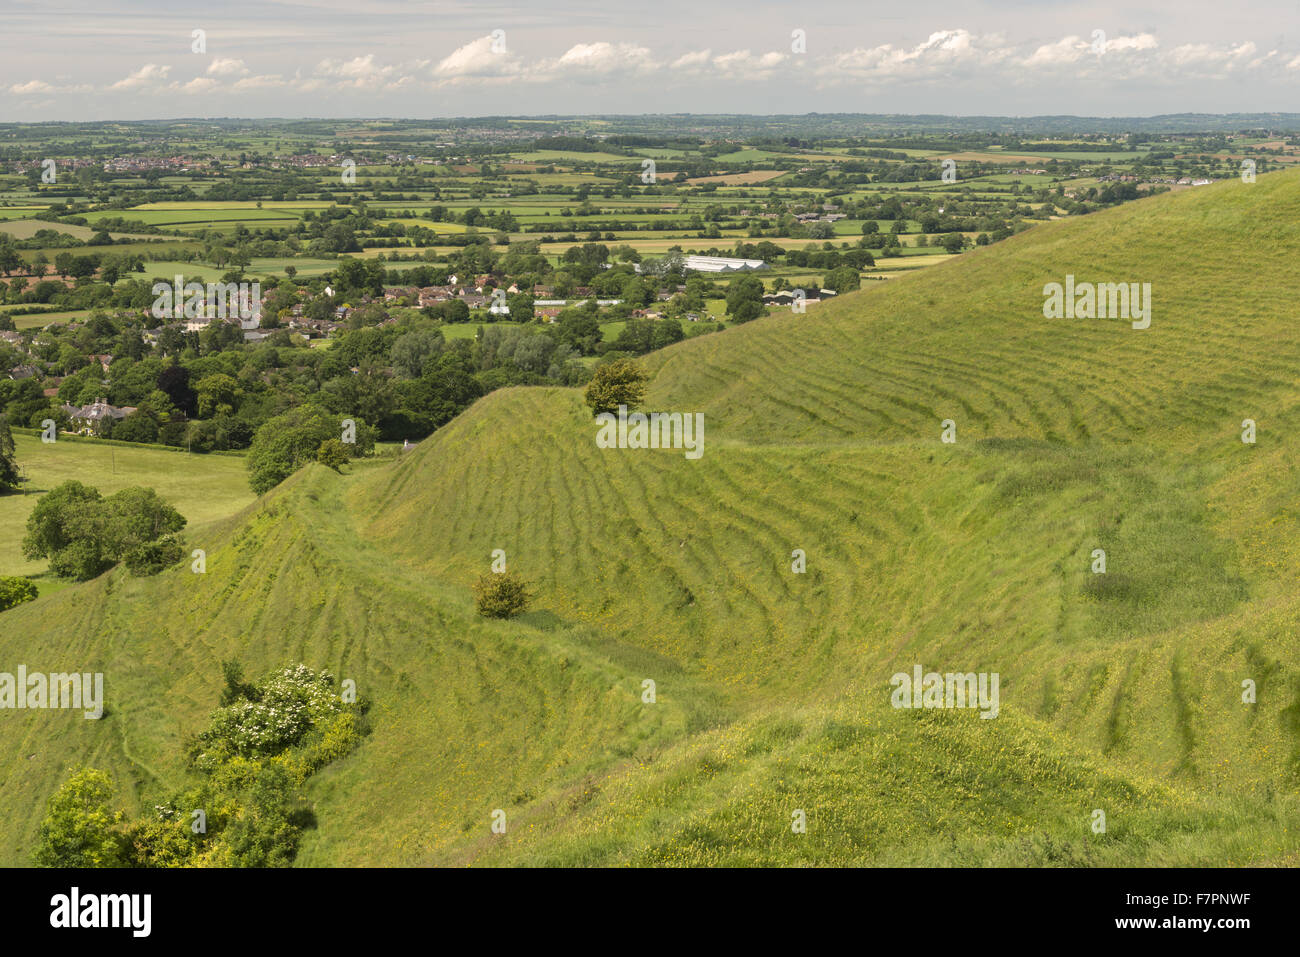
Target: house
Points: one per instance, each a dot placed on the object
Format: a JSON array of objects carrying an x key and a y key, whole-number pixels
[
  {"x": 23, "y": 372},
  {"x": 92, "y": 418},
  {"x": 431, "y": 294}
]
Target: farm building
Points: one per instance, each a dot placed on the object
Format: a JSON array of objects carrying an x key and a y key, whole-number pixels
[{"x": 721, "y": 264}]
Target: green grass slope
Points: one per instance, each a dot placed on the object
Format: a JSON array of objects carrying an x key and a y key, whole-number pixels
[{"x": 1120, "y": 693}]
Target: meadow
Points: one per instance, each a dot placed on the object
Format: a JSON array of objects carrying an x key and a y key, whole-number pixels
[{"x": 203, "y": 488}]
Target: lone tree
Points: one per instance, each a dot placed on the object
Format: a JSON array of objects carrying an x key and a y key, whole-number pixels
[
  {"x": 619, "y": 383},
  {"x": 501, "y": 595}
]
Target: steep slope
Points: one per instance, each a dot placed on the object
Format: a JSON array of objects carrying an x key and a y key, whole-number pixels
[{"x": 1120, "y": 692}]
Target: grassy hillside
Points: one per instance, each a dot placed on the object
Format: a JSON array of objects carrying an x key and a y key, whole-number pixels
[{"x": 1119, "y": 692}]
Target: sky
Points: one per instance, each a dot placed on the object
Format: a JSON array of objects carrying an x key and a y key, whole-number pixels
[{"x": 115, "y": 60}]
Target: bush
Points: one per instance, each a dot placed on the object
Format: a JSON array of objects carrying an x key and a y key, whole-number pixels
[
  {"x": 150, "y": 558},
  {"x": 80, "y": 828},
  {"x": 619, "y": 383},
  {"x": 286, "y": 706},
  {"x": 15, "y": 591},
  {"x": 501, "y": 595},
  {"x": 332, "y": 454}
]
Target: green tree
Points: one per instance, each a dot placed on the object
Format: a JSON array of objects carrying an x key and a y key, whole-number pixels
[
  {"x": 217, "y": 393},
  {"x": 8, "y": 458},
  {"x": 287, "y": 442},
  {"x": 842, "y": 279},
  {"x": 82, "y": 533},
  {"x": 410, "y": 350},
  {"x": 620, "y": 382},
  {"x": 953, "y": 242},
  {"x": 81, "y": 829},
  {"x": 745, "y": 298},
  {"x": 521, "y": 308},
  {"x": 61, "y": 529}
]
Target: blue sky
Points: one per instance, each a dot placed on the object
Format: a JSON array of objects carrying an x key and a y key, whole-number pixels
[{"x": 136, "y": 60}]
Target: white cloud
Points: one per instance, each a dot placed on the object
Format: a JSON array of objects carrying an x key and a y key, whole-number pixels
[
  {"x": 741, "y": 64},
  {"x": 147, "y": 75},
  {"x": 225, "y": 66},
  {"x": 264, "y": 82},
  {"x": 695, "y": 60},
  {"x": 361, "y": 73},
  {"x": 198, "y": 85},
  {"x": 1143, "y": 41},
  {"x": 936, "y": 57},
  {"x": 30, "y": 87},
  {"x": 478, "y": 60},
  {"x": 1066, "y": 50},
  {"x": 602, "y": 59}
]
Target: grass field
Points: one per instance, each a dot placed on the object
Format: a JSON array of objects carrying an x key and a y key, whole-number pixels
[
  {"x": 203, "y": 488},
  {"x": 27, "y": 228},
  {"x": 1120, "y": 692},
  {"x": 38, "y": 320}
]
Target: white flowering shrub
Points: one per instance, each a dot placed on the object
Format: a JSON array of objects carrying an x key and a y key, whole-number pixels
[{"x": 281, "y": 710}]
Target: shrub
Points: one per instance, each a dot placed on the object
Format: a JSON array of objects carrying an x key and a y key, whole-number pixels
[
  {"x": 150, "y": 558},
  {"x": 619, "y": 383},
  {"x": 332, "y": 454},
  {"x": 287, "y": 706},
  {"x": 15, "y": 591},
  {"x": 80, "y": 828},
  {"x": 501, "y": 595}
]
